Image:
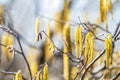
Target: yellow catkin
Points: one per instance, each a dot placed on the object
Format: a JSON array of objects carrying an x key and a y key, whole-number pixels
[
  {"x": 74, "y": 72},
  {"x": 89, "y": 47},
  {"x": 49, "y": 46},
  {"x": 67, "y": 50},
  {"x": 109, "y": 50},
  {"x": 37, "y": 27},
  {"x": 78, "y": 41},
  {"x": 111, "y": 8},
  {"x": 2, "y": 14},
  {"x": 63, "y": 15},
  {"x": 18, "y": 75},
  {"x": 7, "y": 39},
  {"x": 111, "y": 47},
  {"x": 45, "y": 72},
  {"x": 41, "y": 76},
  {"x": 32, "y": 57},
  {"x": 105, "y": 6},
  {"x": 58, "y": 25}
]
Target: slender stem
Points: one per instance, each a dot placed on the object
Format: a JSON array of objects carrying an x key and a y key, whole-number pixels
[
  {"x": 7, "y": 73},
  {"x": 89, "y": 65},
  {"x": 24, "y": 57},
  {"x": 116, "y": 76}
]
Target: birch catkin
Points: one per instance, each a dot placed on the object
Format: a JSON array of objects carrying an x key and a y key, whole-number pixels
[
  {"x": 7, "y": 39},
  {"x": 49, "y": 46},
  {"x": 105, "y": 6},
  {"x": 45, "y": 72},
  {"x": 67, "y": 50},
  {"x": 109, "y": 50},
  {"x": 37, "y": 27},
  {"x": 78, "y": 41},
  {"x": 89, "y": 47},
  {"x": 18, "y": 75}
]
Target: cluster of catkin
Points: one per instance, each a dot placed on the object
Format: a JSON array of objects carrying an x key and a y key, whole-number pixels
[{"x": 43, "y": 75}]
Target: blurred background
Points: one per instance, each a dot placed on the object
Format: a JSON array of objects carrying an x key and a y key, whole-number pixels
[{"x": 22, "y": 14}]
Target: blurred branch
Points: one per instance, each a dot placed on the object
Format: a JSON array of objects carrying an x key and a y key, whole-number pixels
[
  {"x": 90, "y": 64},
  {"x": 116, "y": 76},
  {"x": 6, "y": 29},
  {"x": 7, "y": 73},
  {"x": 72, "y": 57},
  {"x": 11, "y": 48}
]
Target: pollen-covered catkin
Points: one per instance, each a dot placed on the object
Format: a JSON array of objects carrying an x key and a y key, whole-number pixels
[
  {"x": 45, "y": 72},
  {"x": 105, "y": 6},
  {"x": 67, "y": 50},
  {"x": 49, "y": 46},
  {"x": 7, "y": 39},
  {"x": 109, "y": 50},
  {"x": 89, "y": 47},
  {"x": 18, "y": 75},
  {"x": 37, "y": 27},
  {"x": 78, "y": 41}
]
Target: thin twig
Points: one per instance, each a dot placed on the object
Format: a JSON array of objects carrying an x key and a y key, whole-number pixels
[
  {"x": 116, "y": 76},
  {"x": 7, "y": 73},
  {"x": 90, "y": 64}
]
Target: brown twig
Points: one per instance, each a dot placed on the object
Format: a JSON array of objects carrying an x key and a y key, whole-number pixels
[
  {"x": 90, "y": 64},
  {"x": 72, "y": 57}
]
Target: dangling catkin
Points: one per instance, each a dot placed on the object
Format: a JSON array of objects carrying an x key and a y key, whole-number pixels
[
  {"x": 109, "y": 50},
  {"x": 89, "y": 47},
  {"x": 67, "y": 50},
  {"x": 37, "y": 27},
  {"x": 45, "y": 72},
  {"x": 105, "y": 6},
  {"x": 78, "y": 41},
  {"x": 18, "y": 75},
  {"x": 49, "y": 46},
  {"x": 7, "y": 39}
]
